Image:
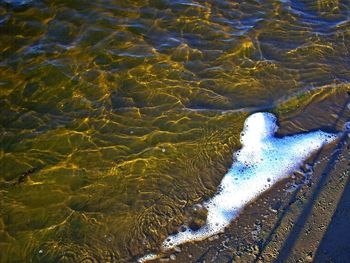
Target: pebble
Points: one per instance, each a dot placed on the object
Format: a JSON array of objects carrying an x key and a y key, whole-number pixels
[
  {"x": 177, "y": 249},
  {"x": 308, "y": 258}
]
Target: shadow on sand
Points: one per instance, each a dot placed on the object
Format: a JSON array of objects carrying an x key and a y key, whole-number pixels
[{"x": 334, "y": 245}]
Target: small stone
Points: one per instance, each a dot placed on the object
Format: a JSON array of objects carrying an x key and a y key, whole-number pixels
[
  {"x": 177, "y": 249},
  {"x": 273, "y": 210},
  {"x": 172, "y": 257},
  {"x": 308, "y": 258},
  {"x": 347, "y": 126}
]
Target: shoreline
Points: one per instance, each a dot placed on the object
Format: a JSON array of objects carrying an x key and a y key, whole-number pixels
[
  {"x": 286, "y": 223},
  {"x": 268, "y": 236}
]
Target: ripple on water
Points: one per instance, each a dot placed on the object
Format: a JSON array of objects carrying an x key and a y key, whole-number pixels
[{"x": 130, "y": 111}]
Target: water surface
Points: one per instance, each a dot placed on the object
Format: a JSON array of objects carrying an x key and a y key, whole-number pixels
[{"x": 116, "y": 116}]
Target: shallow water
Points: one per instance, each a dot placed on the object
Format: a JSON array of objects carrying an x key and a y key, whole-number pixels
[{"x": 116, "y": 116}]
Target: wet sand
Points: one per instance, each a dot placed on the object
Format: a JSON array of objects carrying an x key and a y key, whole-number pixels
[{"x": 303, "y": 219}]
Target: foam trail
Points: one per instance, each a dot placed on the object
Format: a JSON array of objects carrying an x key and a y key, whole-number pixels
[{"x": 262, "y": 161}]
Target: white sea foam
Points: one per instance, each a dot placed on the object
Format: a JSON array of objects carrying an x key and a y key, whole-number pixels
[{"x": 262, "y": 161}]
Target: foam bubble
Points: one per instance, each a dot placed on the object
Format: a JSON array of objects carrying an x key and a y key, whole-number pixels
[{"x": 262, "y": 161}]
